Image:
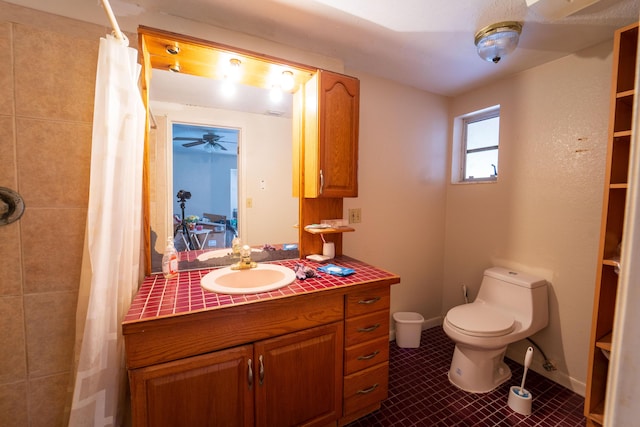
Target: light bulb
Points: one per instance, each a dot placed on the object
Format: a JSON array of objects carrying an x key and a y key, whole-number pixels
[
  {"x": 276, "y": 93},
  {"x": 228, "y": 88},
  {"x": 234, "y": 70},
  {"x": 286, "y": 81}
]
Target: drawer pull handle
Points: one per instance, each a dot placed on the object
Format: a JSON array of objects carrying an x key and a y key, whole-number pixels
[
  {"x": 368, "y": 390},
  {"x": 261, "y": 370},
  {"x": 369, "y": 301},
  {"x": 369, "y": 356},
  {"x": 250, "y": 374},
  {"x": 370, "y": 328}
]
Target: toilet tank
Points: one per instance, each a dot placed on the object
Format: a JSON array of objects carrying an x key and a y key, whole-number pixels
[{"x": 523, "y": 295}]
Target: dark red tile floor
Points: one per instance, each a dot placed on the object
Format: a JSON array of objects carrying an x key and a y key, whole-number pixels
[{"x": 420, "y": 394}]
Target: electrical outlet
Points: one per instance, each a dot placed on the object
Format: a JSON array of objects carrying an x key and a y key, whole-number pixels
[{"x": 354, "y": 216}]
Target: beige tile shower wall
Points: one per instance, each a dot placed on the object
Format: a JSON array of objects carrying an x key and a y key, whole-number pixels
[{"x": 46, "y": 93}]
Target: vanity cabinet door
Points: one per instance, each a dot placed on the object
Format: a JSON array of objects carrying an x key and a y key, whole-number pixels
[
  {"x": 339, "y": 114},
  {"x": 331, "y": 136},
  {"x": 299, "y": 378},
  {"x": 209, "y": 390}
]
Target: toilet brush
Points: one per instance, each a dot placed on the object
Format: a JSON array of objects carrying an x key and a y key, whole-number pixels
[{"x": 519, "y": 397}]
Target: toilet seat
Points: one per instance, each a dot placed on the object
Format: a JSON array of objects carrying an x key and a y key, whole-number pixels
[{"x": 480, "y": 320}]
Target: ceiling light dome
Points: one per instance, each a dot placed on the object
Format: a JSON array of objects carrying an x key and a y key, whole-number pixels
[{"x": 497, "y": 40}]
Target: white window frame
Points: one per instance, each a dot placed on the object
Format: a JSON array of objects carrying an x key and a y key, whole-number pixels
[{"x": 477, "y": 116}]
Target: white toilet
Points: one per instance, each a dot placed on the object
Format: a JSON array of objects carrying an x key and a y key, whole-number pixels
[{"x": 510, "y": 306}]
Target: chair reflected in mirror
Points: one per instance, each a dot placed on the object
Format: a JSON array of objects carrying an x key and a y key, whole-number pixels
[{"x": 219, "y": 226}]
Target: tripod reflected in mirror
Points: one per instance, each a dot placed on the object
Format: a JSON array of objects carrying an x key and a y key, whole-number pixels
[{"x": 183, "y": 196}]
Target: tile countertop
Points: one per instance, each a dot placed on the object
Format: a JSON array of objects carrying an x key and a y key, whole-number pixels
[{"x": 160, "y": 297}]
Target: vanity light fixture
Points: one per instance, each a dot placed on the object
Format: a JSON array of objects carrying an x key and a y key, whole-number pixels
[
  {"x": 498, "y": 40},
  {"x": 233, "y": 72},
  {"x": 230, "y": 77},
  {"x": 286, "y": 81}
]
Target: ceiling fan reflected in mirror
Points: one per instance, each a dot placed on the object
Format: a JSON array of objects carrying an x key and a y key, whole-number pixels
[{"x": 211, "y": 140}]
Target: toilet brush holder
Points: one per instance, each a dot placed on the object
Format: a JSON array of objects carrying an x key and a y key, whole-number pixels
[{"x": 520, "y": 400}]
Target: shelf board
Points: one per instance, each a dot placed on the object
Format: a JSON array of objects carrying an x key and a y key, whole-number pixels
[
  {"x": 622, "y": 133},
  {"x": 604, "y": 342},
  {"x": 623, "y": 185},
  {"x": 625, "y": 93},
  {"x": 597, "y": 414},
  {"x": 329, "y": 230}
]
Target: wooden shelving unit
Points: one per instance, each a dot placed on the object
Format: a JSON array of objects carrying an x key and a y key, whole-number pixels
[{"x": 623, "y": 91}]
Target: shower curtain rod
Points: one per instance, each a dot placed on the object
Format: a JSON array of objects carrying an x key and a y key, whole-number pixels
[{"x": 112, "y": 19}]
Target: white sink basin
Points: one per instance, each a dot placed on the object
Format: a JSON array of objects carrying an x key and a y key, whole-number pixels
[{"x": 263, "y": 278}]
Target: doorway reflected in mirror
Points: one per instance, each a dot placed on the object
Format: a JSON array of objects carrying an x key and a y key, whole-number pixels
[{"x": 205, "y": 165}]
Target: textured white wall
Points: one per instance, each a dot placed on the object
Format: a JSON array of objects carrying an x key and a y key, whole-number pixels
[
  {"x": 543, "y": 214},
  {"x": 402, "y": 177}
]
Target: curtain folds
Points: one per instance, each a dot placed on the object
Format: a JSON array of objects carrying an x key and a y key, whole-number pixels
[{"x": 111, "y": 262}]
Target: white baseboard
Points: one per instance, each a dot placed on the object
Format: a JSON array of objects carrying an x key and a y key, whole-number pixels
[{"x": 556, "y": 376}]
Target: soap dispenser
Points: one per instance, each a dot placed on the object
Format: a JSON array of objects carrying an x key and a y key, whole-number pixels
[
  {"x": 236, "y": 246},
  {"x": 170, "y": 260}
]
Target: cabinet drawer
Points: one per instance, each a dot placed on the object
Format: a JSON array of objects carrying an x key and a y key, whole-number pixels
[
  {"x": 364, "y": 328},
  {"x": 366, "y": 387},
  {"x": 365, "y": 355},
  {"x": 367, "y": 300}
]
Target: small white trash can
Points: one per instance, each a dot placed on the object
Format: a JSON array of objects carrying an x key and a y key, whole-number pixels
[{"x": 408, "y": 329}]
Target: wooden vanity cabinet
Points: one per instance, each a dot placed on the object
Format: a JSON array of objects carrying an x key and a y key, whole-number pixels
[
  {"x": 330, "y": 135},
  {"x": 205, "y": 390},
  {"x": 325, "y": 153},
  {"x": 302, "y": 378},
  {"x": 366, "y": 351},
  {"x": 317, "y": 359},
  {"x": 277, "y": 362},
  {"x": 290, "y": 380}
]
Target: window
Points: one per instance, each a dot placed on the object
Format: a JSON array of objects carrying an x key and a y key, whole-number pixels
[{"x": 480, "y": 139}]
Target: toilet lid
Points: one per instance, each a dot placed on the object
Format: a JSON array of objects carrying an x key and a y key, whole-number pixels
[{"x": 480, "y": 320}]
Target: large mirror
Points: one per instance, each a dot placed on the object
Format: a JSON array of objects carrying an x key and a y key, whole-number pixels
[{"x": 266, "y": 211}]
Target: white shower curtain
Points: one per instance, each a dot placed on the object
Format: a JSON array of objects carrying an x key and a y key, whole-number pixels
[{"x": 111, "y": 261}]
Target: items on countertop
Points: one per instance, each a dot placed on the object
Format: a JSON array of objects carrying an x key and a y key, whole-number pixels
[
  {"x": 336, "y": 270},
  {"x": 304, "y": 272},
  {"x": 170, "y": 260}
]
